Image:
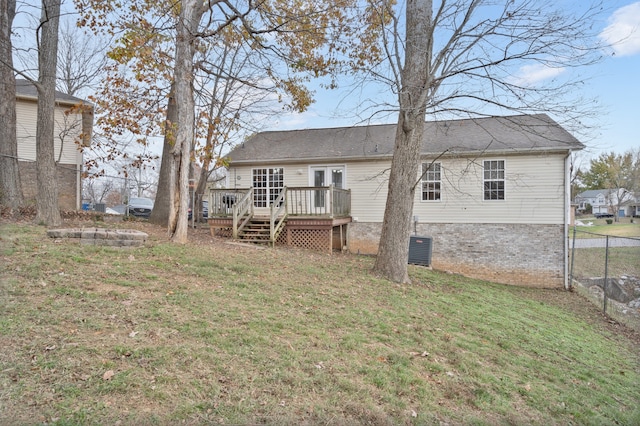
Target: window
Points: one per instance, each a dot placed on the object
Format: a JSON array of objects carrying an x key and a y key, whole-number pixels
[
  {"x": 494, "y": 180},
  {"x": 267, "y": 184},
  {"x": 431, "y": 181}
]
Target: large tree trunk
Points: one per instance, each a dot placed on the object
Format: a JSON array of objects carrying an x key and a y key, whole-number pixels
[
  {"x": 187, "y": 28},
  {"x": 162, "y": 204},
  {"x": 47, "y": 210},
  {"x": 393, "y": 250},
  {"x": 10, "y": 187}
]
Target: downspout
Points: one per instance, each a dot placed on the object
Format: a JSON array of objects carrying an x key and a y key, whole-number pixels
[
  {"x": 79, "y": 183},
  {"x": 567, "y": 206}
]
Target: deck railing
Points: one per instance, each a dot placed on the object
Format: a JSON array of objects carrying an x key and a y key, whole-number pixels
[
  {"x": 221, "y": 201},
  {"x": 323, "y": 201},
  {"x": 320, "y": 201},
  {"x": 242, "y": 212},
  {"x": 278, "y": 215}
]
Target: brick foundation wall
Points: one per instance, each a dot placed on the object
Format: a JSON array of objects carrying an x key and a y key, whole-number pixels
[
  {"x": 519, "y": 254},
  {"x": 66, "y": 175}
]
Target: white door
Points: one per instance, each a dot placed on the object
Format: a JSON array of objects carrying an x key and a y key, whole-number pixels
[{"x": 323, "y": 177}]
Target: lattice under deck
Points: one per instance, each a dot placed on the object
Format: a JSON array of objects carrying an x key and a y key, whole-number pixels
[{"x": 312, "y": 239}]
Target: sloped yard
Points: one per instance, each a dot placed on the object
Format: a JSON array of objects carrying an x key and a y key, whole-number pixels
[{"x": 220, "y": 333}]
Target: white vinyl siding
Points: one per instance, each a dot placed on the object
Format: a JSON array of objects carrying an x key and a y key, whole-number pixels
[
  {"x": 66, "y": 132},
  {"x": 535, "y": 185}
]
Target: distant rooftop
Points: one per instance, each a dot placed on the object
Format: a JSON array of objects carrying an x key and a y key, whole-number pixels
[{"x": 26, "y": 89}]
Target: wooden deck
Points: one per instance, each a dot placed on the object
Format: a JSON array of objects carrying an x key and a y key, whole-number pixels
[{"x": 312, "y": 217}]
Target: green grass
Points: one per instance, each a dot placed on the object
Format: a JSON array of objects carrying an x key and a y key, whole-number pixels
[
  {"x": 590, "y": 262},
  {"x": 623, "y": 228},
  {"x": 216, "y": 333}
]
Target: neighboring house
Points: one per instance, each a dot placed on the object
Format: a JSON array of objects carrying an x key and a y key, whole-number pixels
[
  {"x": 607, "y": 201},
  {"x": 630, "y": 207},
  {"x": 596, "y": 198},
  {"x": 73, "y": 127},
  {"x": 492, "y": 193}
]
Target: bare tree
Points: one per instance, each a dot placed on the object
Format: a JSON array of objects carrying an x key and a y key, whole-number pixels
[
  {"x": 81, "y": 60},
  {"x": 97, "y": 190},
  {"x": 10, "y": 186},
  {"x": 462, "y": 58},
  {"x": 47, "y": 211}
]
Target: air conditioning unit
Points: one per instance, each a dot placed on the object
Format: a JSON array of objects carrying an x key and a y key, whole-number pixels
[{"x": 420, "y": 249}]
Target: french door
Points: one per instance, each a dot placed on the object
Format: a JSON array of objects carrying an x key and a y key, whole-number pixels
[{"x": 322, "y": 177}]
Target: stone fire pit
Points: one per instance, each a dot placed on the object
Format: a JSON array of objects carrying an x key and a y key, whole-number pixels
[{"x": 102, "y": 237}]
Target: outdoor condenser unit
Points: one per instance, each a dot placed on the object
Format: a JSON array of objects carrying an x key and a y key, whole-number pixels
[{"x": 420, "y": 249}]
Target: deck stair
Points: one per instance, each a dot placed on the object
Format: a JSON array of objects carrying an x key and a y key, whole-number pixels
[{"x": 257, "y": 231}]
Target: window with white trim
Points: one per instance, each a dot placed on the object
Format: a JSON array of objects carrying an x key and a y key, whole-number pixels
[
  {"x": 267, "y": 184},
  {"x": 431, "y": 181},
  {"x": 493, "y": 179}
]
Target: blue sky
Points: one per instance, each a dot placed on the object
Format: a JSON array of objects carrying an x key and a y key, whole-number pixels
[{"x": 614, "y": 83}]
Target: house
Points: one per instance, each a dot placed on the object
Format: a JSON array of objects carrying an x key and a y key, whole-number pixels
[
  {"x": 492, "y": 193},
  {"x": 607, "y": 201},
  {"x": 596, "y": 198},
  {"x": 73, "y": 127}
]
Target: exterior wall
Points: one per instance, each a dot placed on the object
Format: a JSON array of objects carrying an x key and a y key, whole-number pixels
[
  {"x": 66, "y": 133},
  {"x": 518, "y": 240},
  {"x": 534, "y": 192},
  {"x": 520, "y": 254},
  {"x": 67, "y": 184}
]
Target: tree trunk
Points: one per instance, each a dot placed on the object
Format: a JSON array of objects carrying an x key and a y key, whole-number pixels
[
  {"x": 10, "y": 187},
  {"x": 393, "y": 250},
  {"x": 47, "y": 210},
  {"x": 162, "y": 204},
  {"x": 187, "y": 28}
]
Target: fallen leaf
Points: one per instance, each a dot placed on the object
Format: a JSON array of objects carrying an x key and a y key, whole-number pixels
[{"x": 108, "y": 375}]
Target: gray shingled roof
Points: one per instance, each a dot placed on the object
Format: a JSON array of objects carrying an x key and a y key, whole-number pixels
[
  {"x": 592, "y": 193},
  {"x": 492, "y": 135},
  {"x": 26, "y": 89}
]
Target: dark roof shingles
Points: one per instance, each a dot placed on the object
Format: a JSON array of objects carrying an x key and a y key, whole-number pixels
[
  {"x": 493, "y": 134},
  {"x": 27, "y": 89}
]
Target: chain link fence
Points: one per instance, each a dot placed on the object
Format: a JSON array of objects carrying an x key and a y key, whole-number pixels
[{"x": 606, "y": 270}]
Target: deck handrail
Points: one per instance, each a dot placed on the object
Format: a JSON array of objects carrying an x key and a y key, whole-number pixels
[
  {"x": 278, "y": 215},
  {"x": 241, "y": 208},
  {"x": 327, "y": 201}
]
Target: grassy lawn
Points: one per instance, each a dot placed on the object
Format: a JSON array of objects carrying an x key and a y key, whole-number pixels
[
  {"x": 590, "y": 262},
  {"x": 215, "y": 333},
  {"x": 624, "y": 228}
]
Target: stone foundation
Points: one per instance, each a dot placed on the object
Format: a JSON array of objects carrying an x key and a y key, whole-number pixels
[{"x": 519, "y": 254}]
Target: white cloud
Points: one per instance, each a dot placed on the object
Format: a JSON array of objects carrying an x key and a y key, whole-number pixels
[
  {"x": 623, "y": 32},
  {"x": 529, "y": 75}
]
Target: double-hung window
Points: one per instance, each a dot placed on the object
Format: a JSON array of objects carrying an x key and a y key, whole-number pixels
[
  {"x": 493, "y": 179},
  {"x": 431, "y": 181},
  {"x": 267, "y": 184}
]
